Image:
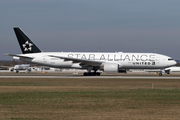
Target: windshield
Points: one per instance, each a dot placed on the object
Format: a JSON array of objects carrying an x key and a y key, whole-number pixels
[{"x": 170, "y": 59}]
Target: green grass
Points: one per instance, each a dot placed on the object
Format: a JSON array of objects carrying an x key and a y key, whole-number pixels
[
  {"x": 36, "y": 99},
  {"x": 19, "y": 98}
]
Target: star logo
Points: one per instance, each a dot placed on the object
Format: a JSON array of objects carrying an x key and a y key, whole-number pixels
[{"x": 27, "y": 46}]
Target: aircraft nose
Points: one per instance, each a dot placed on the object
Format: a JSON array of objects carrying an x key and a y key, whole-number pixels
[
  {"x": 174, "y": 62},
  {"x": 171, "y": 63}
]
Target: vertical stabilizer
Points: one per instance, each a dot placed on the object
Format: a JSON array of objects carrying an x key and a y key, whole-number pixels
[{"x": 26, "y": 45}]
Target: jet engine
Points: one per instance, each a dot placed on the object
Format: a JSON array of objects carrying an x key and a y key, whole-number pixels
[{"x": 112, "y": 68}]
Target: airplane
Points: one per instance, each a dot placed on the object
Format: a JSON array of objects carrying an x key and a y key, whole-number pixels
[
  {"x": 172, "y": 69},
  {"x": 17, "y": 68},
  {"x": 117, "y": 62},
  {"x": 166, "y": 70},
  {"x": 21, "y": 67}
]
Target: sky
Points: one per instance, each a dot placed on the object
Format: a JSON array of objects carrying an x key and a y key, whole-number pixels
[{"x": 92, "y": 25}]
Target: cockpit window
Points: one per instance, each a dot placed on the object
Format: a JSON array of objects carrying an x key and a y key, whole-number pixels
[{"x": 170, "y": 59}]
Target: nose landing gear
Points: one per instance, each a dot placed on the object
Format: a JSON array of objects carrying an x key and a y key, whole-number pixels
[{"x": 160, "y": 73}]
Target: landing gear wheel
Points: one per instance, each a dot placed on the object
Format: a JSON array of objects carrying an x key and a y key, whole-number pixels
[
  {"x": 160, "y": 74},
  {"x": 85, "y": 74},
  {"x": 98, "y": 74},
  {"x": 91, "y": 74}
]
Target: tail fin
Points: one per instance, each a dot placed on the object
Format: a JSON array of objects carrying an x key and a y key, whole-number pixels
[{"x": 26, "y": 45}]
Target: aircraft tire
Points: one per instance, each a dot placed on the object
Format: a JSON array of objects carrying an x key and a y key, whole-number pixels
[
  {"x": 91, "y": 74},
  {"x": 160, "y": 74},
  {"x": 98, "y": 74},
  {"x": 85, "y": 74}
]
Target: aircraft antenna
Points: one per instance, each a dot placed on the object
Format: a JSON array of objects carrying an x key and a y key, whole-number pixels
[
  {"x": 155, "y": 49},
  {"x": 43, "y": 49},
  {"x": 99, "y": 49}
]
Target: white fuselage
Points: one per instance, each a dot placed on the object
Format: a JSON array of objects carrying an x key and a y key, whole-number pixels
[
  {"x": 124, "y": 60},
  {"x": 21, "y": 67}
]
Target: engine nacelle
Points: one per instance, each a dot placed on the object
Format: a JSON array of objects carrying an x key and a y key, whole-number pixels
[{"x": 112, "y": 68}]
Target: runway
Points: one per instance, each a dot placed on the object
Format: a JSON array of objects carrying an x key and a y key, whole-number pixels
[
  {"x": 129, "y": 75},
  {"x": 95, "y": 77}
]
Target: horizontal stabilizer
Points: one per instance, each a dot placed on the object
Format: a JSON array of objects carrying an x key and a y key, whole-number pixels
[{"x": 20, "y": 56}]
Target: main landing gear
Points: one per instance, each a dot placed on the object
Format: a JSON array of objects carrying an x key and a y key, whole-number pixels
[
  {"x": 89, "y": 73},
  {"x": 92, "y": 74}
]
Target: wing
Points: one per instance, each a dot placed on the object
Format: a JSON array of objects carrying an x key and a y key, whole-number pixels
[
  {"x": 5, "y": 66},
  {"x": 82, "y": 62}
]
